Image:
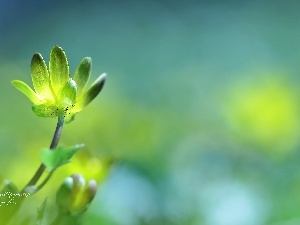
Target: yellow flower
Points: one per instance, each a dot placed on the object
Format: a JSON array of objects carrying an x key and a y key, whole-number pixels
[{"x": 56, "y": 94}]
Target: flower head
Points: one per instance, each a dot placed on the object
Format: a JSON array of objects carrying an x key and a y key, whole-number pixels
[{"x": 55, "y": 93}]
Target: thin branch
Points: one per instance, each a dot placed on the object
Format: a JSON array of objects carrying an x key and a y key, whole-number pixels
[
  {"x": 53, "y": 145},
  {"x": 41, "y": 185}
]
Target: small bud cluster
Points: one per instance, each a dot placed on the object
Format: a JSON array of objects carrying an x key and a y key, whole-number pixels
[{"x": 74, "y": 195}]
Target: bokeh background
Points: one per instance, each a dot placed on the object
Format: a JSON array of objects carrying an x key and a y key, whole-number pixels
[{"x": 200, "y": 110}]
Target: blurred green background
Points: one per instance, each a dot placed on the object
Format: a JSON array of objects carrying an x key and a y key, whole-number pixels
[{"x": 201, "y": 107}]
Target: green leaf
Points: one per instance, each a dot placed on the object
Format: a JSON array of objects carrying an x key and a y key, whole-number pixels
[
  {"x": 26, "y": 90},
  {"x": 82, "y": 74},
  {"x": 91, "y": 93},
  {"x": 54, "y": 158},
  {"x": 59, "y": 68},
  {"x": 10, "y": 201},
  {"x": 41, "y": 213},
  {"x": 9, "y": 187},
  {"x": 40, "y": 77}
]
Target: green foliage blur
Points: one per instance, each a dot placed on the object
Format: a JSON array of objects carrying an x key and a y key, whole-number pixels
[{"x": 200, "y": 108}]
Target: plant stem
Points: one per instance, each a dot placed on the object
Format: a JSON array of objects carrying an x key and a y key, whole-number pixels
[
  {"x": 39, "y": 171},
  {"x": 41, "y": 185},
  {"x": 53, "y": 145},
  {"x": 57, "y": 132}
]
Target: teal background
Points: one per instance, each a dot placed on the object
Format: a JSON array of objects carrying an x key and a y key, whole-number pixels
[{"x": 200, "y": 108}]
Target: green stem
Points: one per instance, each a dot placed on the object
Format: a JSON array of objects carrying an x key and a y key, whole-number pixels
[
  {"x": 53, "y": 145},
  {"x": 57, "y": 133},
  {"x": 41, "y": 185},
  {"x": 39, "y": 171}
]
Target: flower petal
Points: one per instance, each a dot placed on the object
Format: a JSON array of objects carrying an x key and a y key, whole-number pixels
[
  {"x": 90, "y": 94},
  {"x": 26, "y": 90},
  {"x": 59, "y": 68},
  {"x": 45, "y": 110},
  {"x": 82, "y": 74},
  {"x": 67, "y": 95},
  {"x": 40, "y": 77}
]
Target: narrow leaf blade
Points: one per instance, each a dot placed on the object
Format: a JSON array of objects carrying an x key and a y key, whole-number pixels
[{"x": 41, "y": 213}]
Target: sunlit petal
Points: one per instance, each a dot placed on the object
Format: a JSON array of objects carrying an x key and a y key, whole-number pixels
[
  {"x": 59, "y": 68},
  {"x": 90, "y": 94},
  {"x": 26, "y": 90},
  {"x": 40, "y": 77},
  {"x": 82, "y": 74},
  {"x": 67, "y": 95}
]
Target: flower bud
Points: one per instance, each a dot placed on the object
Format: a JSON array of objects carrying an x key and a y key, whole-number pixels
[
  {"x": 74, "y": 196},
  {"x": 64, "y": 195}
]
